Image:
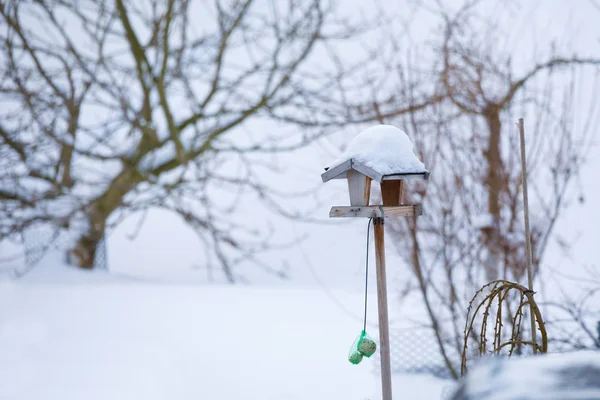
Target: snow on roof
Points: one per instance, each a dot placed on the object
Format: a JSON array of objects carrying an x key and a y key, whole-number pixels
[{"x": 384, "y": 148}]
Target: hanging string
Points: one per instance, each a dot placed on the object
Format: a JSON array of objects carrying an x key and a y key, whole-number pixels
[{"x": 367, "y": 275}]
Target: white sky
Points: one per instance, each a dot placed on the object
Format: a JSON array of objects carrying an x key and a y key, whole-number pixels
[{"x": 333, "y": 252}]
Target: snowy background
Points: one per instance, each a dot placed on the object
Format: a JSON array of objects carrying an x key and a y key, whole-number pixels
[{"x": 160, "y": 325}]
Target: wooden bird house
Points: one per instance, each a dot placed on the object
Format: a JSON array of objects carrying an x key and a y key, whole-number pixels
[{"x": 360, "y": 177}]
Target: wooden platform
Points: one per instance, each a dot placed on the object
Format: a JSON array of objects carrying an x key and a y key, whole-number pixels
[{"x": 375, "y": 211}]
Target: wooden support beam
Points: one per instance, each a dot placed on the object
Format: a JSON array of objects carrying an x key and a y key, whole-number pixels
[
  {"x": 359, "y": 187},
  {"x": 382, "y": 307},
  {"x": 375, "y": 211},
  {"x": 391, "y": 192}
]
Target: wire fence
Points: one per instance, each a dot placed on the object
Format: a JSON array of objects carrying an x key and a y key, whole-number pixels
[{"x": 416, "y": 351}]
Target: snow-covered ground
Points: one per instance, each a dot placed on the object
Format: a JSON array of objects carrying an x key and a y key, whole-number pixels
[
  {"x": 67, "y": 334},
  {"x": 566, "y": 376}
]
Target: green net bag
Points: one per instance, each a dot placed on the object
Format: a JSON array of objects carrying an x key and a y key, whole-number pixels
[
  {"x": 355, "y": 357},
  {"x": 363, "y": 346}
]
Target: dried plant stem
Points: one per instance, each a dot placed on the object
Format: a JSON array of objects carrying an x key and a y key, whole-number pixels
[{"x": 498, "y": 292}]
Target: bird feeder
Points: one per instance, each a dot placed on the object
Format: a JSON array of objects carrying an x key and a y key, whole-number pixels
[
  {"x": 383, "y": 154},
  {"x": 360, "y": 178},
  {"x": 363, "y": 166}
]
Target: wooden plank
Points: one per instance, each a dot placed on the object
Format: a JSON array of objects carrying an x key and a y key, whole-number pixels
[
  {"x": 401, "y": 191},
  {"x": 366, "y": 191},
  {"x": 391, "y": 192},
  {"x": 355, "y": 212},
  {"x": 404, "y": 211},
  {"x": 337, "y": 170},
  {"x": 359, "y": 188},
  {"x": 382, "y": 307},
  {"x": 371, "y": 173},
  {"x": 375, "y": 211},
  {"x": 408, "y": 175}
]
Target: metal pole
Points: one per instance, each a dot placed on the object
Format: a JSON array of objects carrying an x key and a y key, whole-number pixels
[
  {"x": 382, "y": 306},
  {"x": 527, "y": 232}
]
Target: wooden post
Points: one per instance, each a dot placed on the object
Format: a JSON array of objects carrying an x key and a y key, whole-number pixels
[
  {"x": 359, "y": 187},
  {"x": 359, "y": 179},
  {"x": 382, "y": 306},
  {"x": 527, "y": 233}
]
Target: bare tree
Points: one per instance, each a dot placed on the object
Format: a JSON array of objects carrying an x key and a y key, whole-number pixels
[
  {"x": 576, "y": 315},
  {"x": 472, "y": 231},
  {"x": 109, "y": 107}
]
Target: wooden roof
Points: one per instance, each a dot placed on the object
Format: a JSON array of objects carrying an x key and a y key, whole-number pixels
[{"x": 339, "y": 172}]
